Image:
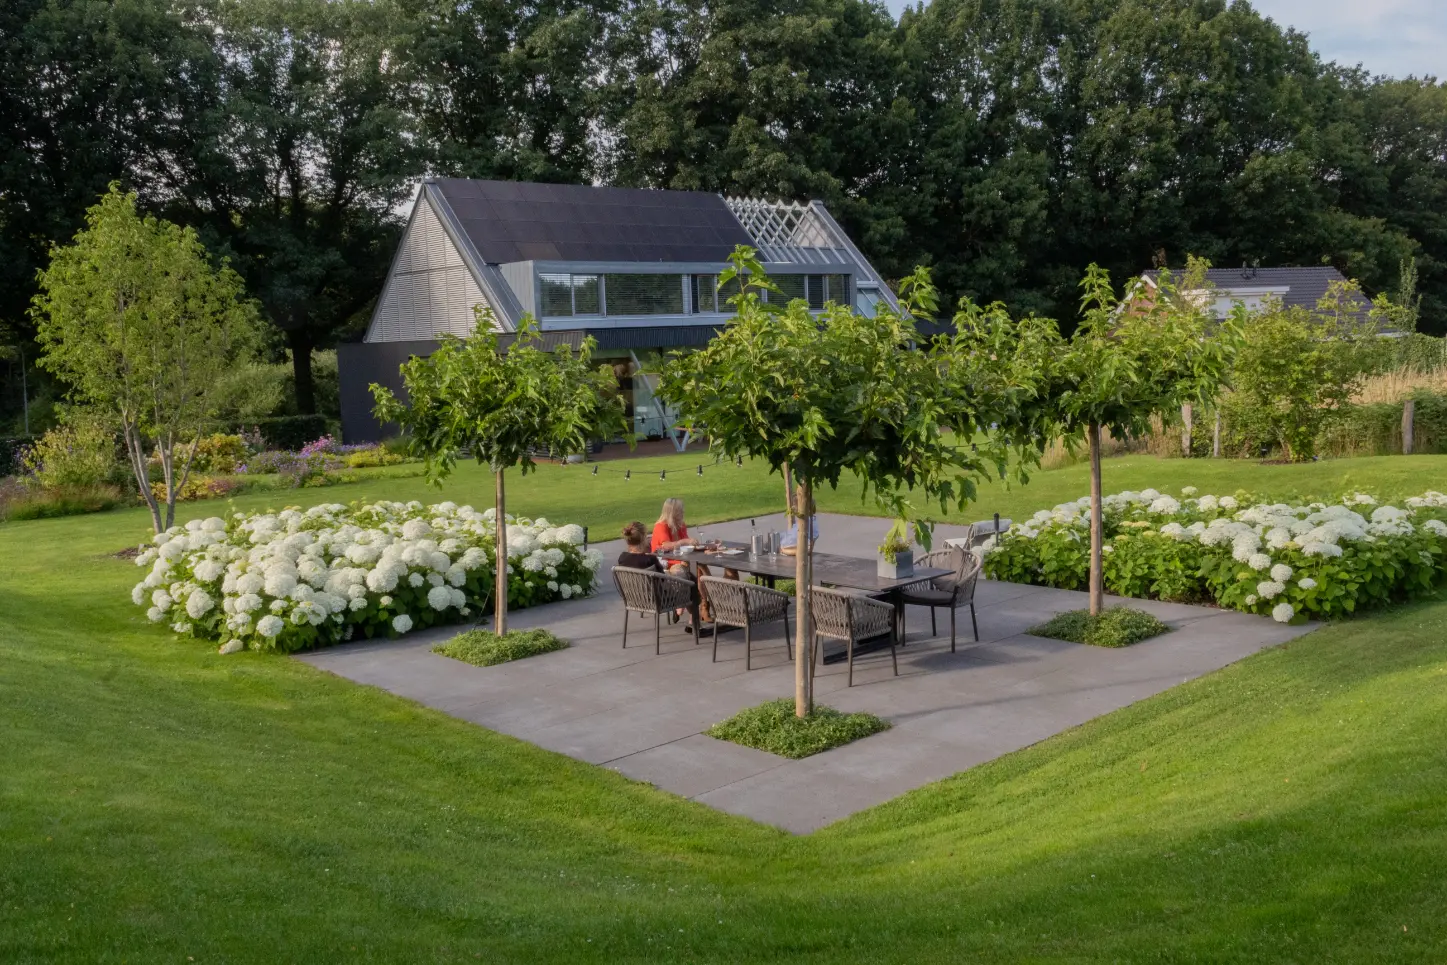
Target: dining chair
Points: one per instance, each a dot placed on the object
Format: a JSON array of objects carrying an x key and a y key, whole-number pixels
[
  {"x": 647, "y": 592},
  {"x": 746, "y": 605},
  {"x": 947, "y": 592},
  {"x": 852, "y": 618}
]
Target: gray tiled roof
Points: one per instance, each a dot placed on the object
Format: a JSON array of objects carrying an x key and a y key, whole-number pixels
[
  {"x": 512, "y": 221},
  {"x": 1306, "y": 285}
]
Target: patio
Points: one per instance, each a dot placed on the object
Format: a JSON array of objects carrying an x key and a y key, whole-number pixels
[{"x": 643, "y": 715}]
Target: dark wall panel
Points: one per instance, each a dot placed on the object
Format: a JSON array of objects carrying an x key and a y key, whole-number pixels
[{"x": 359, "y": 364}]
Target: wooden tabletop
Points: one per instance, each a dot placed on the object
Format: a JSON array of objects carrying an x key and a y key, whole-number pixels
[{"x": 848, "y": 571}]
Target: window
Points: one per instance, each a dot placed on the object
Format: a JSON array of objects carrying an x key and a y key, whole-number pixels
[
  {"x": 867, "y": 302},
  {"x": 562, "y": 296},
  {"x": 790, "y": 287},
  {"x": 644, "y": 294},
  {"x": 556, "y": 294},
  {"x": 836, "y": 289},
  {"x": 703, "y": 294}
]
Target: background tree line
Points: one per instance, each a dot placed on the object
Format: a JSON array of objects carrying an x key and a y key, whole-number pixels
[{"x": 1006, "y": 143}]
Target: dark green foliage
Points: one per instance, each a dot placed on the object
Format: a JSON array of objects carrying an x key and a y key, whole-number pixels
[
  {"x": 774, "y": 727},
  {"x": 289, "y": 432},
  {"x": 483, "y": 648},
  {"x": 1118, "y": 626},
  {"x": 10, "y": 450}
]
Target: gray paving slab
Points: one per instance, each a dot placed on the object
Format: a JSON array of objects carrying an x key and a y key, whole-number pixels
[{"x": 643, "y": 714}]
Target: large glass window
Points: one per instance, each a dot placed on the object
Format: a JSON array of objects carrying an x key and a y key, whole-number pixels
[
  {"x": 836, "y": 289},
  {"x": 790, "y": 287},
  {"x": 563, "y": 296},
  {"x": 556, "y": 292},
  {"x": 644, "y": 294},
  {"x": 586, "y": 297}
]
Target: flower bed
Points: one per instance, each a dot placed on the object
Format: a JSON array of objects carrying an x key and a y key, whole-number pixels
[
  {"x": 299, "y": 579},
  {"x": 1291, "y": 561}
]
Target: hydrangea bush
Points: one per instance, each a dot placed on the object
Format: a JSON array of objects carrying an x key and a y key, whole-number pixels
[
  {"x": 1291, "y": 561},
  {"x": 300, "y": 579}
]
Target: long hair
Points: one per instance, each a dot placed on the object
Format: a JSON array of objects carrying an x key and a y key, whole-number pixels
[{"x": 672, "y": 514}]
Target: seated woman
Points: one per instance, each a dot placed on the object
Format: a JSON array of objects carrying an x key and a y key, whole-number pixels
[
  {"x": 789, "y": 545},
  {"x": 670, "y": 532},
  {"x": 635, "y": 553}
]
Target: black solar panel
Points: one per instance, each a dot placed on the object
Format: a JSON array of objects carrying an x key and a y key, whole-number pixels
[{"x": 510, "y": 221}]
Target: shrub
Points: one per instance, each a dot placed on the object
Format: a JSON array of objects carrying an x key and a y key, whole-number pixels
[
  {"x": 216, "y": 453},
  {"x": 483, "y": 648},
  {"x": 290, "y": 432},
  {"x": 12, "y": 451},
  {"x": 1119, "y": 626},
  {"x": 199, "y": 487},
  {"x": 292, "y": 580},
  {"x": 19, "y": 501},
  {"x": 774, "y": 727},
  {"x": 370, "y": 457},
  {"x": 1376, "y": 429},
  {"x": 1287, "y": 560},
  {"x": 79, "y": 455}
]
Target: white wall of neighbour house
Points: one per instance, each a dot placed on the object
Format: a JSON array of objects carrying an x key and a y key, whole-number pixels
[{"x": 430, "y": 290}]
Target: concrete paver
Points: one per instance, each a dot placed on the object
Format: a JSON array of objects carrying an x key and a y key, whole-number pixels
[{"x": 643, "y": 715}]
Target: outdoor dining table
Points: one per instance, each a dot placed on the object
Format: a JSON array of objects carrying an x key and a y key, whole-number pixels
[{"x": 829, "y": 569}]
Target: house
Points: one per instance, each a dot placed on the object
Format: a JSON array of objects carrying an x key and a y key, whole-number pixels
[
  {"x": 1254, "y": 287},
  {"x": 637, "y": 269}
]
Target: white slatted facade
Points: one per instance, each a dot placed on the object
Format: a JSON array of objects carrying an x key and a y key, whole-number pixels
[{"x": 430, "y": 291}]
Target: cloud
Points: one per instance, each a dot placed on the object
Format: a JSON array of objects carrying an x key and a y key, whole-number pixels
[{"x": 1394, "y": 37}]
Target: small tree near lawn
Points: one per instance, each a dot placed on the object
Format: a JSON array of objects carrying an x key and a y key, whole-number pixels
[
  {"x": 471, "y": 396},
  {"x": 834, "y": 394},
  {"x": 1127, "y": 362},
  {"x": 143, "y": 328}
]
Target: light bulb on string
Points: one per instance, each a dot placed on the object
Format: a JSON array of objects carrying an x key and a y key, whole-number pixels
[
  {"x": 627, "y": 474},
  {"x": 700, "y": 470}
]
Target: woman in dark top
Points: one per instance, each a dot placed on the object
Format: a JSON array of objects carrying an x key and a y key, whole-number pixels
[{"x": 636, "y": 555}]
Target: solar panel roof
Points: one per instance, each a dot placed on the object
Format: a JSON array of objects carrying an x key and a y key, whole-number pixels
[{"x": 511, "y": 221}]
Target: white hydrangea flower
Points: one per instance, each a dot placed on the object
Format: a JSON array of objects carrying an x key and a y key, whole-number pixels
[
  {"x": 438, "y": 598},
  {"x": 199, "y": 603},
  {"x": 565, "y": 590},
  {"x": 416, "y": 579},
  {"x": 270, "y": 626},
  {"x": 1269, "y": 589},
  {"x": 155, "y": 614},
  {"x": 1165, "y": 505},
  {"x": 1281, "y": 572},
  {"x": 1207, "y": 503},
  {"x": 553, "y": 585},
  {"x": 1306, "y": 583},
  {"x": 138, "y": 594},
  {"x": 161, "y": 600},
  {"x": 401, "y": 623},
  {"x": 1251, "y": 599},
  {"x": 1229, "y": 502},
  {"x": 1283, "y": 612},
  {"x": 1435, "y": 526},
  {"x": 1258, "y": 561}
]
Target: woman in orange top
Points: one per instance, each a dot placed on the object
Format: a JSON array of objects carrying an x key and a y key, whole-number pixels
[{"x": 670, "y": 532}]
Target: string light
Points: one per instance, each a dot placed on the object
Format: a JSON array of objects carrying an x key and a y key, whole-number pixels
[
  {"x": 700, "y": 470},
  {"x": 595, "y": 470},
  {"x": 663, "y": 474}
]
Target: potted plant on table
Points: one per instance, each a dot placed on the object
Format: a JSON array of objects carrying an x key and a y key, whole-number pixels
[{"x": 896, "y": 554}]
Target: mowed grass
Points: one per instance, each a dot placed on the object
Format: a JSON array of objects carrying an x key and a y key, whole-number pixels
[{"x": 161, "y": 803}]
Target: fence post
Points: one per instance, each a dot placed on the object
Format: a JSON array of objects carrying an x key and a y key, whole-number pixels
[
  {"x": 1188, "y": 422},
  {"x": 1409, "y": 412},
  {"x": 1216, "y": 437}
]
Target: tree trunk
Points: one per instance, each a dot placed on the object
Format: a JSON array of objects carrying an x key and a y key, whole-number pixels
[
  {"x": 1409, "y": 413},
  {"x": 788, "y": 494},
  {"x": 1097, "y": 535},
  {"x": 803, "y": 597},
  {"x": 499, "y": 623},
  {"x": 136, "y": 452},
  {"x": 301, "y": 371},
  {"x": 1188, "y": 425},
  {"x": 1216, "y": 437}
]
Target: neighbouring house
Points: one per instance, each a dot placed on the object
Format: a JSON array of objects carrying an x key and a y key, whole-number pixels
[
  {"x": 636, "y": 269},
  {"x": 1254, "y": 287}
]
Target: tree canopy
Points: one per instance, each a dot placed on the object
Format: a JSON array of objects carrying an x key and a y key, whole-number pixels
[{"x": 1005, "y": 144}]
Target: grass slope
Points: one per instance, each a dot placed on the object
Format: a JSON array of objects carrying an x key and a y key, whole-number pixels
[{"x": 160, "y": 803}]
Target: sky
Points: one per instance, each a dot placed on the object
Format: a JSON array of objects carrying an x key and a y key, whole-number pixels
[{"x": 1393, "y": 37}]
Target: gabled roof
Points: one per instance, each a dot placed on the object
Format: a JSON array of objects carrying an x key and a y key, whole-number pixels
[
  {"x": 512, "y": 221},
  {"x": 1297, "y": 286}
]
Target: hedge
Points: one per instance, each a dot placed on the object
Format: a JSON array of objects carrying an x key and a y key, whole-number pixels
[{"x": 10, "y": 447}]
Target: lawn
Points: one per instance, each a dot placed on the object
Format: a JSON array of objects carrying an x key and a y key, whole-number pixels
[{"x": 161, "y": 803}]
